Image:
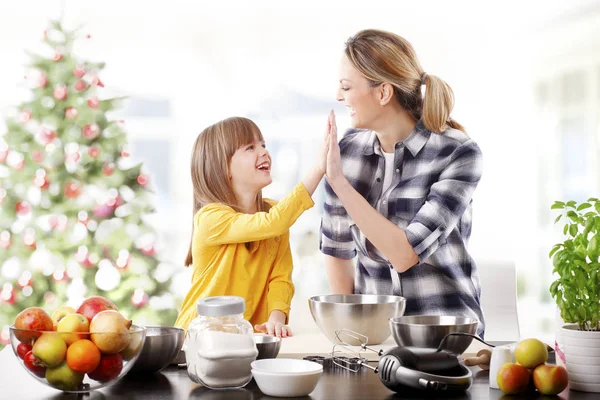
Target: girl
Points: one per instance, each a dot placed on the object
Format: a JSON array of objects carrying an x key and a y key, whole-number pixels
[
  {"x": 399, "y": 185},
  {"x": 240, "y": 241}
]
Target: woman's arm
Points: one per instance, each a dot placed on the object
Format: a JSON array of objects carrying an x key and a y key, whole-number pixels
[{"x": 340, "y": 274}]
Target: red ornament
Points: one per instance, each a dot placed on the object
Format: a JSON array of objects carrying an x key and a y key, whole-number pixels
[
  {"x": 79, "y": 71},
  {"x": 71, "y": 113},
  {"x": 60, "y": 275},
  {"x": 8, "y": 296},
  {"x": 47, "y": 135},
  {"x": 114, "y": 202},
  {"x": 22, "y": 208},
  {"x": 25, "y": 280},
  {"x": 5, "y": 239},
  {"x": 53, "y": 221},
  {"x": 73, "y": 157},
  {"x": 25, "y": 116},
  {"x": 96, "y": 82},
  {"x": 60, "y": 92},
  {"x": 94, "y": 151},
  {"x": 29, "y": 239},
  {"x": 139, "y": 298},
  {"x": 148, "y": 250},
  {"x": 142, "y": 179},
  {"x": 42, "y": 181},
  {"x": 72, "y": 189},
  {"x": 125, "y": 152},
  {"x": 88, "y": 36},
  {"x": 57, "y": 56},
  {"x": 42, "y": 80},
  {"x": 93, "y": 102},
  {"x": 80, "y": 86},
  {"x": 37, "y": 156},
  {"x": 103, "y": 211},
  {"x": 90, "y": 132},
  {"x": 108, "y": 168}
]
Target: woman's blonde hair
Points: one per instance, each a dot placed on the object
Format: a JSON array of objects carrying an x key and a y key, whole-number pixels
[
  {"x": 382, "y": 56},
  {"x": 211, "y": 157}
]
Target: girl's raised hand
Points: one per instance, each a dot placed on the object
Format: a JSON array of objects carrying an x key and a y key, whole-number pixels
[{"x": 334, "y": 159}]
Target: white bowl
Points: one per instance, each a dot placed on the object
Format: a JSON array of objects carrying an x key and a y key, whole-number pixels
[
  {"x": 284, "y": 377},
  {"x": 286, "y": 366}
]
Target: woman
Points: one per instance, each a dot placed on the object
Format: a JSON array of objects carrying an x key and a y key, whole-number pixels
[{"x": 399, "y": 184}]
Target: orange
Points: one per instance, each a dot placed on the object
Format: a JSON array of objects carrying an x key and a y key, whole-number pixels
[{"x": 83, "y": 356}]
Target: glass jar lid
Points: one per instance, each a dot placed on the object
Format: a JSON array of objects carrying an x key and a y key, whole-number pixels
[{"x": 219, "y": 306}]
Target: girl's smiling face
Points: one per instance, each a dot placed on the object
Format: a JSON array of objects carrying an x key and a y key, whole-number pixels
[{"x": 250, "y": 167}]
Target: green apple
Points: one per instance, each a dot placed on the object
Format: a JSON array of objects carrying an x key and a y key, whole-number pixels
[
  {"x": 64, "y": 378},
  {"x": 74, "y": 323},
  {"x": 50, "y": 349}
]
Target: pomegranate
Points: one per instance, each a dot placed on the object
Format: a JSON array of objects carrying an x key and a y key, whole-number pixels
[
  {"x": 95, "y": 304},
  {"x": 34, "y": 319},
  {"x": 110, "y": 331}
]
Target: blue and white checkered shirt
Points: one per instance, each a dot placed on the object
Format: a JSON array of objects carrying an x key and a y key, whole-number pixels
[{"x": 430, "y": 199}]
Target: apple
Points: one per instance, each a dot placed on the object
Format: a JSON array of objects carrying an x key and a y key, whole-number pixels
[
  {"x": 531, "y": 352},
  {"x": 550, "y": 379},
  {"x": 64, "y": 378},
  {"x": 513, "y": 378},
  {"x": 34, "y": 365},
  {"x": 73, "y": 323},
  {"x": 95, "y": 304},
  {"x": 109, "y": 368},
  {"x": 50, "y": 349},
  {"x": 110, "y": 331},
  {"x": 33, "y": 319},
  {"x": 60, "y": 313},
  {"x": 23, "y": 349}
]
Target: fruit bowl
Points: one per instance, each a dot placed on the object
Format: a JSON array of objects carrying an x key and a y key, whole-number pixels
[{"x": 72, "y": 361}]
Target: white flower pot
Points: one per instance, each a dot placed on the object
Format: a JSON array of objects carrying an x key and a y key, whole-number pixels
[{"x": 582, "y": 357}]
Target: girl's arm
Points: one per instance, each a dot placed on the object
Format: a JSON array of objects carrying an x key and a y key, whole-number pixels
[{"x": 340, "y": 274}]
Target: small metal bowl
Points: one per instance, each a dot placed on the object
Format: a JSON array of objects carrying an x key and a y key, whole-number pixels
[
  {"x": 427, "y": 331},
  {"x": 268, "y": 346},
  {"x": 161, "y": 346}
]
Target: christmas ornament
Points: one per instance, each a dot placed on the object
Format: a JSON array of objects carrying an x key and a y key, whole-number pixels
[
  {"x": 72, "y": 189},
  {"x": 60, "y": 275},
  {"x": 103, "y": 211},
  {"x": 25, "y": 116},
  {"x": 139, "y": 298},
  {"x": 93, "y": 102},
  {"x": 5, "y": 239},
  {"x": 148, "y": 250},
  {"x": 123, "y": 259},
  {"x": 46, "y": 135},
  {"x": 41, "y": 179},
  {"x": 91, "y": 131},
  {"x": 80, "y": 86},
  {"x": 96, "y": 82},
  {"x": 22, "y": 208},
  {"x": 57, "y": 56},
  {"x": 94, "y": 151},
  {"x": 37, "y": 156},
  {"x": 29, "y": 238},
  {"x": 25, "y": 280},
  {"x": 15, "y": 160},
  {"x": 108, "y": 168},
  {"x": 79, "y": 71},
  {"x": 71, "y": 113},
  {"x": 8, "y": 295},
  {"x": 125, "y": 151},
  {"x": 142, "y": 179},
  {"x": 60, "y": 92},
  {"x": 42, "y": 80}
]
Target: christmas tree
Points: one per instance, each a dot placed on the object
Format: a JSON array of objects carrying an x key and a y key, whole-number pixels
[{"x": 72, "y": 201}]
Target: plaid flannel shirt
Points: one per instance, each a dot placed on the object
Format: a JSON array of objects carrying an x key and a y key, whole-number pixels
[{"x": 430, "y": 199}]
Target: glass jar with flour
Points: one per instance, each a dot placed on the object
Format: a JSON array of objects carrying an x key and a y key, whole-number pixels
[{"x": 219, "y": 345}]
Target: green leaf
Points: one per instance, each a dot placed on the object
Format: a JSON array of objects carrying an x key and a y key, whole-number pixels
[
  {"x": 571, "y": 203},
  {"x": 583, "y": 206},
  {"x": 557, "y": 205},
  {"x": 573, "y": 229},
  {"x": 593, "y": 199},
  {"x": 558, "y": 218},
  {"x": 565, "y": 229}
]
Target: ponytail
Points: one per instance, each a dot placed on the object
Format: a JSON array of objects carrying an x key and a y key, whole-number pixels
[{"x": 437, "y": 105}]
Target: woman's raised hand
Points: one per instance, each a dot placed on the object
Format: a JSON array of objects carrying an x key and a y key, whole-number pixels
[{"x": 334, "y": 159}]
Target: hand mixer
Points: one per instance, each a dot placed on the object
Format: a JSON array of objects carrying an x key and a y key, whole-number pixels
[{"x": 407, "y": 368}]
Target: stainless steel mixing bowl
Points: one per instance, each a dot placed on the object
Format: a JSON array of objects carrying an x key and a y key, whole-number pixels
[
  {"x": 162, "y": 345},
  {"x": 366, "y": 314},
  {"x": 268, "y": 346},
  {"x": 427, "y": 331}
]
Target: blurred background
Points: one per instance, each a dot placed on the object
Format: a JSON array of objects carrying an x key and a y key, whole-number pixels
[{"x": 526, "y": 79}]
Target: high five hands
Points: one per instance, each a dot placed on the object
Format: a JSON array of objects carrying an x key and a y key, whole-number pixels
[{"x": 333, "y": 169}]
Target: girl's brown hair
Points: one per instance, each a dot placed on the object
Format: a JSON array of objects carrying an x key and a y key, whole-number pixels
[
  {"x": 382, "y": 56},
  {"x": 211, "y": 156}
]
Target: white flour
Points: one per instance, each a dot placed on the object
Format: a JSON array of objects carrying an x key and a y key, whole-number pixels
[{"x": 219, "y": 359}]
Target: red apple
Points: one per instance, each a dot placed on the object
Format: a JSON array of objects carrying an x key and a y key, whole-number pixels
[
  {"x": 93, "y": 305},
  {"x": 109, "y": 368},
  {"x": 23, "y": 349},
  {"x": 513, "y": 378},
  {"x": 34, "y": 365},
  {"x": 33, "y": 319},
  {"x": 550, "y": 379}
]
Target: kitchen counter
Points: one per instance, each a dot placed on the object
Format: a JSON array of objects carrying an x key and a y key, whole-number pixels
[{"x": 173, "y": 382}]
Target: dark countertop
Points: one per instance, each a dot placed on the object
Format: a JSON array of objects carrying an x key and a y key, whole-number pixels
[{"x": 173, "y": 383}]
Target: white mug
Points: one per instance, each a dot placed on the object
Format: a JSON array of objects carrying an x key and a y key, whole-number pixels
[{"x": 500, "y": 355}]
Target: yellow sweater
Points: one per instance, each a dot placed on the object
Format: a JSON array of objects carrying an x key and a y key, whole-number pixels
[{"x": 223, "y": 266}]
